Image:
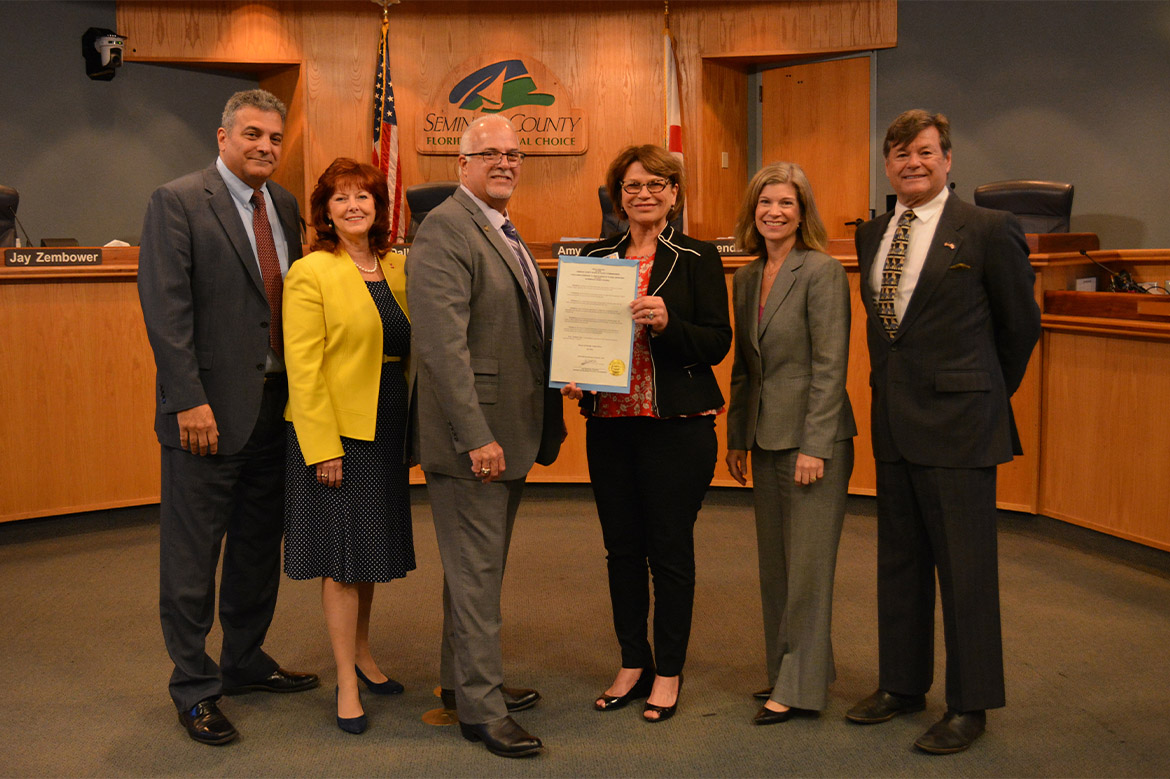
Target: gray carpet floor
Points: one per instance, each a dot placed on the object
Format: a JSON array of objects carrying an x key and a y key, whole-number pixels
[{"x": 83, "y": 671}]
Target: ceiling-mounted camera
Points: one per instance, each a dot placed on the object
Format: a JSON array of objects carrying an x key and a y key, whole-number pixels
[{"x": 102, "y": 50}]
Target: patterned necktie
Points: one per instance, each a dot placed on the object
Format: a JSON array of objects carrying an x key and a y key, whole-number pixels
[
  {"x": 529, "y": 280},
  {"x": 269, "y": 269},
  {"x": 892, "y": 273}
]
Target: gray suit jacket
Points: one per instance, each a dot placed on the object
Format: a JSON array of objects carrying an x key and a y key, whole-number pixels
[
  {"x": 204, "y": 304},
  {"x": 788, "y": 377},
  {"x": 480, "y": 366}
]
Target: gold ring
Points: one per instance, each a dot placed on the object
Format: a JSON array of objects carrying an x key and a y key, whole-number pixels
[{"x": 485, "y": 470}]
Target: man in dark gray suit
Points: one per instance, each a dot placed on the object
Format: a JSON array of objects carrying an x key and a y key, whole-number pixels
[
  {"x": 951, "y": 323},
  {"x": 215, "y": 246},
  {"x": 481, "y": 318}
]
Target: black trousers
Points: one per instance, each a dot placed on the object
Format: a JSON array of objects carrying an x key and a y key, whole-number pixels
[
  {"x": 944, "y": 519},
  {"x": 649, "y": 478},
  {"x": 239, "y": 497}
]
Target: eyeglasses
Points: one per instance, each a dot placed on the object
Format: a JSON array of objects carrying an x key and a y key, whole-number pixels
[
  {"x": 653, "y": 187},
  {"x": 493, "y": 156}
]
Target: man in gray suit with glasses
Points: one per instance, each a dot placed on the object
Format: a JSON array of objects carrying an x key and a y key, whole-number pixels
[{"x": 481, "y": 319}]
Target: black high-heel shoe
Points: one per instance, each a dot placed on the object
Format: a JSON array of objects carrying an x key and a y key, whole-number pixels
[
  {"x": 640, "y": 689},
  {"x": 388, "y": 687},
  {"x": 664, "y": 712},
  {"x": 353, "y": 725}
]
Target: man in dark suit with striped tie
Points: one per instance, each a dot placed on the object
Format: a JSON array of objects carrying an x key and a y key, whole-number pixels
[
  {"x": 951, "y": 323},
  {"x": 215, "y": 246}
]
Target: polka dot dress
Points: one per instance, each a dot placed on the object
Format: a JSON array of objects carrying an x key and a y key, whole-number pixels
[{"x": 360, "y": 531}]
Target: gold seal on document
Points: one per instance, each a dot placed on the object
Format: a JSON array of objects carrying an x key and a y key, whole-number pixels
[{"x": 616, "y": 368}]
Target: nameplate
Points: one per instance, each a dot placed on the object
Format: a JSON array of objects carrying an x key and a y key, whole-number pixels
[
  {"x": 50, "y": 257},
  {"x": 727, "y": 248},
  {"x": 569, "y": 248}
]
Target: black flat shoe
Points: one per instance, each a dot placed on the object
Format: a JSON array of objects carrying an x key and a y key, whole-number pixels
[
  {"x": 206, "y": 724},
  {"x": 503, "y": 737},
  {"x": 664, "y": 712},
  {"x": 354, "y": 725},
  {"x": 640, "y": 690},
  {"x": 766, "y": 716},
  {"x": 388, "y": 687}
]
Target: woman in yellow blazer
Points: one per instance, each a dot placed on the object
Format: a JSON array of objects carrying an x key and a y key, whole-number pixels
[{"x": 346, "y": 339}]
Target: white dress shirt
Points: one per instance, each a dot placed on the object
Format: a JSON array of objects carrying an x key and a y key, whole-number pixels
[{"x": 922, "y": 229}]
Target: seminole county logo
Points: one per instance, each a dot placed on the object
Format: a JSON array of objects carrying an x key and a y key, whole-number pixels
[
  {"x": 520, "y": 88},
  {"x": 498, "y": 87}
]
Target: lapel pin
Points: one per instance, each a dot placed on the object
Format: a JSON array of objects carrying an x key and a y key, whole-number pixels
[{"x": 949, "y": 245}]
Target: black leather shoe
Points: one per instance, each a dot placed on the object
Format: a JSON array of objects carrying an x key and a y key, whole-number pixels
[
  {"x": 640, "y": 690},
  {"x": 503, "y": 737},
  {"x": 664, "y": 712},
  {"x": 762, "y": 695},
  {"x": 883, "y": 706},
  {"x": 515, "y": 698},
  {"x": 279, "y": 680},
  {"x": 953, "y": 733},
  {"x": 388, "y": 687},
  {"x": 355, "y": 725},
  {"x": 206, "y": 724}
]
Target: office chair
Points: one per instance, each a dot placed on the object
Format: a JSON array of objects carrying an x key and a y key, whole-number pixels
[
  {"x": 612, "y": 224},
  {"x": 9, "y": 200},
  {"x": 1042, "y": 206},
  {"x": 423, "y": 197}
]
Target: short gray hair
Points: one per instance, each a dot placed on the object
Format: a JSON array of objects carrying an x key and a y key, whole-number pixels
[
  {"x": 252, "y": 98},
  {"x": 474, "y": 127}
]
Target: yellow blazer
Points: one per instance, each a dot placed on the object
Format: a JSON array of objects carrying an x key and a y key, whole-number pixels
[{"x": 333, "y": 350}]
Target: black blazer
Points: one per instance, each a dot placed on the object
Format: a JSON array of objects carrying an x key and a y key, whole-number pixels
[
  {"x": 688, "y": 276},
  {"x": 941, "y": 385},
  {"x": 204, "y": 304}
]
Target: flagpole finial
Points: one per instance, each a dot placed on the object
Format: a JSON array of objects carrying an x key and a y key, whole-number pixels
[{"x": 385, "y": 7}]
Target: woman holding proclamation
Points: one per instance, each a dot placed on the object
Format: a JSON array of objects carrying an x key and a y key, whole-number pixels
[
  {"x": 789, "y": 408},
  {"x": 346, "y": 336},
  {"x": 652, "y": 452}
]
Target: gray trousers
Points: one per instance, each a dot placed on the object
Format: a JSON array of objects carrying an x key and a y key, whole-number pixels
[
  {"x": 797, "y": 530},
  {"x": 473, "y": 525}
]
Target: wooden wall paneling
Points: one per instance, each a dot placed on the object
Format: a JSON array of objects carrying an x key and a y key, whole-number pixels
[
  {"x": 607, "y": 54},
  {"x": 817, "y": 115},
  {"x": 288, "y": 84},
  {"x": 211, "y": 30},
  {"x": 78, "y": 389},
  {"x": 1105, "y": 442},
  {"x": 768, "y": 31}
]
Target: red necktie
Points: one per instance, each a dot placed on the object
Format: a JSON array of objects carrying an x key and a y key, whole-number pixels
[{"x": 269, "y": 269}]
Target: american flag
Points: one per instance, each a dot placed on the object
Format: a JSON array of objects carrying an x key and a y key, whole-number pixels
[{"x": 386, "y": 135}]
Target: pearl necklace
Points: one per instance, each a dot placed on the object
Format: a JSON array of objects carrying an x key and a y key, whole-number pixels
[{"x": 364, "y": 269}]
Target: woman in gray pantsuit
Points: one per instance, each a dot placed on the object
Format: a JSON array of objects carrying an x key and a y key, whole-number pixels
[{"x": 789, "y": 408}]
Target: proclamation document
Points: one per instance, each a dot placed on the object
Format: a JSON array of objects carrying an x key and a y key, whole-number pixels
[{"x": 593, "y": 332}]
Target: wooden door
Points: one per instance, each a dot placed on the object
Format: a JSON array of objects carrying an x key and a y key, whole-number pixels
[{"x": 817, "y": 115}]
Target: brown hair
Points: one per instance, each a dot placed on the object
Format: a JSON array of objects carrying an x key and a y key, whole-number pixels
[
  {"x": 810, "y": 235},
  {"x": 341, "y": 172},
  {"x": 907, "y": 126},
  {"x": 657, "y": 161}
]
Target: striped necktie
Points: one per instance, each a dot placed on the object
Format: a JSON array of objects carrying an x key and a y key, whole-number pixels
[
  {"x": 892, "y": 273},
  {"x": 269, "y": 269},
  {"x": 529, "y": 280}
]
